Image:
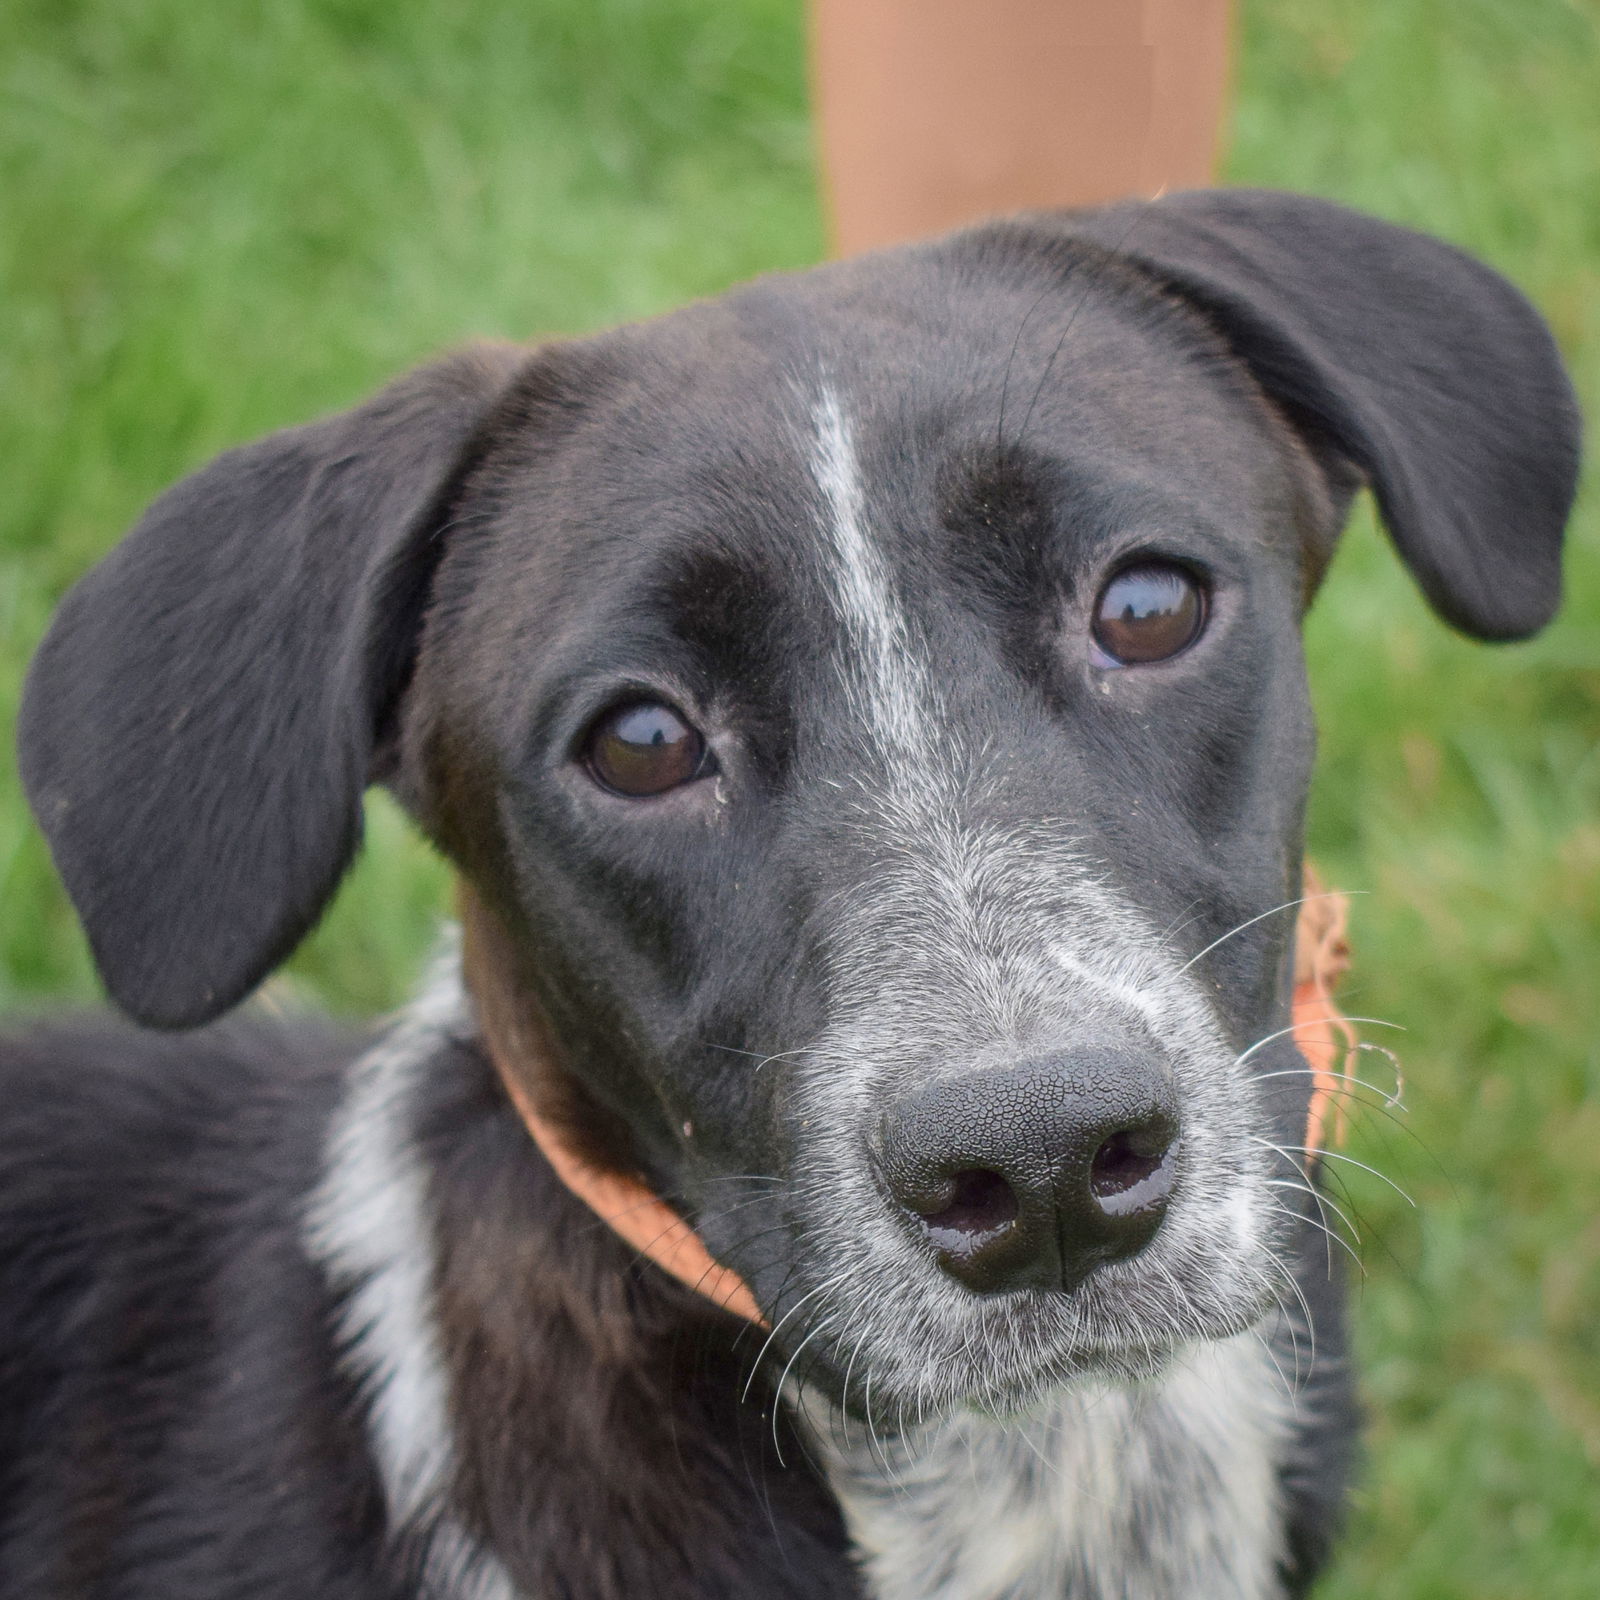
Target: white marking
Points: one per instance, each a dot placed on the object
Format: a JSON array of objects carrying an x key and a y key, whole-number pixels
[
  {"x": 890, "y": 685},
  {"x": 1143, "y": 1002},
  {"x": 369, "y": 1226},
  {"x": 1166, "y": 1491}
]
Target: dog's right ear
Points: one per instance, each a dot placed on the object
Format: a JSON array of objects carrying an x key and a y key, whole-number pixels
[
  {"x": 1396, "y": 355},
  {"x": 198, "y": 725}
]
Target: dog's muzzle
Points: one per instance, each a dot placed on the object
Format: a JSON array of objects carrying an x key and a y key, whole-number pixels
[{"x": 1075, "y": 1174}]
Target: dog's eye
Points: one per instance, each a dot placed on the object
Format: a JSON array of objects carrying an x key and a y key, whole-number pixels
[
  {"x": 1149, "y": 612},
  {"x": 644, "y": 748}
]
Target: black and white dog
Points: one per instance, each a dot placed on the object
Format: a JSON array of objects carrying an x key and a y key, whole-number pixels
[{"x": 867, "y": 714}]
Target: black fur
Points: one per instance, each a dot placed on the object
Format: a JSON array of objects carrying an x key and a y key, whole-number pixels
[
  {"x": 640, "y": 1458},
  {"x": 175, "y": 1426},
  {"x": 176, "y": 1422}
]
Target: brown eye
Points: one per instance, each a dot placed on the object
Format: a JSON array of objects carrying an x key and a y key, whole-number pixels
[
  {"x": 1149, "y": 612},
  {"x": 643, "y": 749}
]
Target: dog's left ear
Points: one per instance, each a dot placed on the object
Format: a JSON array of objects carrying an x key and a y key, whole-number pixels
[
  {"x": 1425, "y": 370},
  {"x": 200, "y": 722}
]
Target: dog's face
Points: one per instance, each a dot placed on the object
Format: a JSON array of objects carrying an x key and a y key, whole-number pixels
[
  {"x": 787, "y": 726},
  {"x": 870, "y": 710}
]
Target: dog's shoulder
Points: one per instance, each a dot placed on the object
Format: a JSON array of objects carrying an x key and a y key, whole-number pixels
[
  {"x": 151, "y": 1188},
  {"x": 117, "y": 1137}
]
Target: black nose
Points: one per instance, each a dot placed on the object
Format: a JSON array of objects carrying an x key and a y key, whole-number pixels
[{"x": 1032, "y": 1177}]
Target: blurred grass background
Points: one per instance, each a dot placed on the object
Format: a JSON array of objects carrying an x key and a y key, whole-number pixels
[{"x": 215, "y": 220}]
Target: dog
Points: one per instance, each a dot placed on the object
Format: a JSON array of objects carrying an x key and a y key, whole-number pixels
[{"x": 866, "y": 713}]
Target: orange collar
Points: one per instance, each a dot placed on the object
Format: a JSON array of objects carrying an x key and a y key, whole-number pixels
[
  {"x": 646, "y": 1222},
  {"x": 1322, "y": 1032},
  {"x": 637, "y": 1216}
]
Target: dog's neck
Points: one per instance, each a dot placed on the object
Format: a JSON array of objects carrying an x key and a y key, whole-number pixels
[
  {"x": 534, "y": 1389},
  {"x": 515, "y": 1040}
]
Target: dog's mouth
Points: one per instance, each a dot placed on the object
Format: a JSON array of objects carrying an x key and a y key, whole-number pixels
[
  {"x": 989, "y": 1285},
  {"x": 1005, "y": 1362},
  {"x": 883, "y": 1334}
]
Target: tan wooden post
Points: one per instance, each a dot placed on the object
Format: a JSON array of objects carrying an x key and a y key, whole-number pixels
[{"x": 932, "y": 113}]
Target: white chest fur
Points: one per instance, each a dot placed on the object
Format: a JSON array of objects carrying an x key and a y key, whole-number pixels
[{"x": 1164, "y": 1492}]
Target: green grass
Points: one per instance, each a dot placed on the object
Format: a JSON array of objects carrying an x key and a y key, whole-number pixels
[{"x": 218, "y": 219}]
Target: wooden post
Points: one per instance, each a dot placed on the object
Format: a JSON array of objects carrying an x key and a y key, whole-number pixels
[{"x": 932, "y": 113}]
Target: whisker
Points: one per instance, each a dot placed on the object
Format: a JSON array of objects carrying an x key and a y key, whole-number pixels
[
  {"x": 1290, "y": 1388},
  {"x": 1347, "y": 1080},
  {"x": 1189, "y": 913},
  {"x": 742, "y": 1243},
  {"x": 1375, "y": 1101},
  {"x": 759, "y": 1059},
  {"x": 1324, "y": 1203},
  {"x": 778, "y": 1326},
  {"x": 777, "y": 1446},
  {"x": 1392, "y": 1112},
  {"x": 1288, "y": 905},
  {"x": 1375, "y": 1022},
  {"x": 804, "y": 1435},
  {"x": 1339, "y": 1155},
  {"x": 1286, "y": 1272},
  {"x": 844, "y": 1392},
  {"x": 874, "y": 1443},
  {"x": 1330, "y": 1235}
]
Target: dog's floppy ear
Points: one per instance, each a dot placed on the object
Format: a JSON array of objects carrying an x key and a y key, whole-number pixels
[
  {"x": 1423, "y": 368},
  {"x": 199, "y": 724}
]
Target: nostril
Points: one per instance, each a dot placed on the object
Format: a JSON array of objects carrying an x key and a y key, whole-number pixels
[
  {"x": 1033, "y": 1178},
  {"x": 1132, "y": 1171},
  {"x": 978, "y": 1205}
]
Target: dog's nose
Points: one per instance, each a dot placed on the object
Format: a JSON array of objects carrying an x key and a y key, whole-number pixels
[{"x": 1032, "y": 1177}]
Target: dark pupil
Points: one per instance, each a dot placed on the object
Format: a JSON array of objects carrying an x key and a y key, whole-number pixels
[
  {"x": 644, "y": 749},
  {"x": 1148, "y": 613}
]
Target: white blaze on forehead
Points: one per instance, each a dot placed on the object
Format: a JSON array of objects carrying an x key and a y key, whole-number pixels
[
  {"x": 1002, "y": 914},
  {"x": 964, "y": 891},
  {"x": 886, "y": 680}
]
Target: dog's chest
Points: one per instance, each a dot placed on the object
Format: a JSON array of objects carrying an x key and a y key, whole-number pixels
[{"x": 1167, "y": 1492}]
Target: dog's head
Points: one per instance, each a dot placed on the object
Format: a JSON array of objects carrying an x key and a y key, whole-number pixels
[{"x": 868, "y": 711}]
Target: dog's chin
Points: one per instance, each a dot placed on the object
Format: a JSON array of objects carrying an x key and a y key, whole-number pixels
[
  {"x": 1022, "y": 1398},
  {"x": 1009, "y": 1395},
  {"x": 1012, "y": 1373}
]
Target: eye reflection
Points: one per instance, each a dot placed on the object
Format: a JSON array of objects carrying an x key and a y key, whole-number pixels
[
  {"x": 643, "y": 748},
  {"x": 1149, "y": 612}
]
